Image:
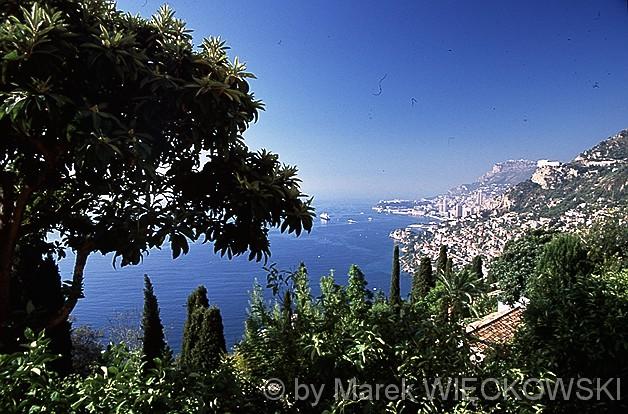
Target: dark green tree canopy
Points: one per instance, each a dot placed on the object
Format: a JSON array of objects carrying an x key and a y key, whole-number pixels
[
  {"x": 358, "y": 294},
  {"x": 423, "y": 280},
  {"x": 441, "y": 262},
  {"x": 395, "y": 289},
  {"x": 203, "y": 334},
  {"x": 476, "y": 266},
  {"x": 120, "y": 134},
  {"x": 517, "y": 265},
  {"x": 154, "y": 342}
]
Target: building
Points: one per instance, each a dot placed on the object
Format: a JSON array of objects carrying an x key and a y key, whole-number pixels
[
  {"x": 479, "y": 199},
  {"x": 442, "y": 208},
  {"x": 458, "y": 210},
  {"x": 494, "y": 330},
  {"x": 547, "y": 163}
]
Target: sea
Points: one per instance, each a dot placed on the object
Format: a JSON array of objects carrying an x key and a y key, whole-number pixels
[{"x": 114, "y": 295}]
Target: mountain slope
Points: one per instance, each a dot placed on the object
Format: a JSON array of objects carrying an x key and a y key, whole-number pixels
[
  {"x": 567, "y": 197},
  {"x": 502, "y": 176},
  {"x": 595, "y": 179}
]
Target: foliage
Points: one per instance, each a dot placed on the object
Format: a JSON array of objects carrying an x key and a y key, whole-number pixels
[
  {"x": 345, "y": 335},
  {"x": 203, "y": 338},
  {"x": 36, "y": 282},
  {"x": 457, "y": 293},
  {"x": 476, "y": 266},
  {"x": 423, "y": 280},
  {"x": 120, "y": 135},
  {"x": 573, "y": 328},
  {"x": 517, "y": 264},
  {"x": 441, "y": 262},
  {"x": 395, "y": 290},
  {"x": 25, "y": 381},
  {"x": 574, "y": 323},
  {"x": 358, "y": 295},
  {"x": 153, "y": 343},
  {"x": 87, "y": 349},
  {"x": 607, "y": 241},
  {"x": 120, "y": 385}
]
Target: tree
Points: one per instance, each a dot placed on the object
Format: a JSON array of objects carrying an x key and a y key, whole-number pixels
[
  {"x": 286, "y": 307},
  {"x": 212, "y": 345},
  {"x": 441, "y": 263},
  {"x": 120, "y": 135},
  {"x": 449, "y": 267},
  {"x": 358, "y": 294},
  {"x": 607, "y": 241},
  {"x": 423, "y": 280},
  {"x": 395, "y": 290},
  {"x": 302, "y": 293},
  {"x": 197, "y": 299},
  {"x": 575, "y": 320},
  {"x": 517, "y": 264},
  {"x": 191, "y": 329},
  {"x": 457, "y": 292},
  {"x": 476, "y": 267},
  {"x": 39, "y": 294},
  {"x": 154, "y": 343},
  {"x": 203, "y": 336}
]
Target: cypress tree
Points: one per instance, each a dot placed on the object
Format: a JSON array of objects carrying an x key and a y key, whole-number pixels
[
  {"x": 395, "y": 291},
  {"x": 154, "y": 343},
  {"x": 423, "y": 280},
  {"x": 449, "y": 268},
  {"x": 441, "y": 263},
  {"x": 286, "y": 306},
  {"x": 191, "y": 330},
  {"x": 476, "y": 267},
  {"x": 203, "y": 336},
  {"x": 197, "y": 299},
  {"x": 211, "y": 345},
  {"x": 357, "y": 292},
  {"x": 302, "y": 292},
  {"x": 428, "y": 272}
]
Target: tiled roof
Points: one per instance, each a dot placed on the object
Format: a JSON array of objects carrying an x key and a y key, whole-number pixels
[{"x": 495, "y": 329}]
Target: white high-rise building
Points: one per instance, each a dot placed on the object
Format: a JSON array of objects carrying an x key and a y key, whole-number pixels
[
  {"x": 458, "y": 210},
  {"x": 443, "y": 205}
]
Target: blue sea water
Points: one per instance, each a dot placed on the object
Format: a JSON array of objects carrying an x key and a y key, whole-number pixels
[{"x": 333, "y": 245}]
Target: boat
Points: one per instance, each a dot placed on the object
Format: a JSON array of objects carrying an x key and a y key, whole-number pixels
[
  {"x": 325, "y": 216},
  {"x": 351, "y": 221}
]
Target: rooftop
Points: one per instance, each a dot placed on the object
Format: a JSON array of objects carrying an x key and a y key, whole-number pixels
[{"x": 494, "y": 329}]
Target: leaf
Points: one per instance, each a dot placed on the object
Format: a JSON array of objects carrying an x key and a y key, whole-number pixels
[{"x": 12, "y": 55}]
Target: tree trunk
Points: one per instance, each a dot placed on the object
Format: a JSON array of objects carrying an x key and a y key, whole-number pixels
[
  {"x": 12, "y": 215},
  {"x": 76, "y": 291}
]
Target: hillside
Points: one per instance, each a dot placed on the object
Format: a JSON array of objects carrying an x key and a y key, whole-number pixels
[
  {"x": 595, "y": 179},
  {"x": 499, "y": 178},
  {"x": 564, "y": 197}
]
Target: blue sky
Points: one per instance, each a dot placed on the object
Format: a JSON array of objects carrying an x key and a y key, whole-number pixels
[{"x": 492, "y": 80}]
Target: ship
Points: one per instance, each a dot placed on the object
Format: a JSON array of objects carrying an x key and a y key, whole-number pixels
[{"x": 325, "y": 216}]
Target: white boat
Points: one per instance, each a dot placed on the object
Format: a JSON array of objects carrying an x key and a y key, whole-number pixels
[
  {"x": 325, "y": 216},
  {"x": 351, "y": 221}
]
